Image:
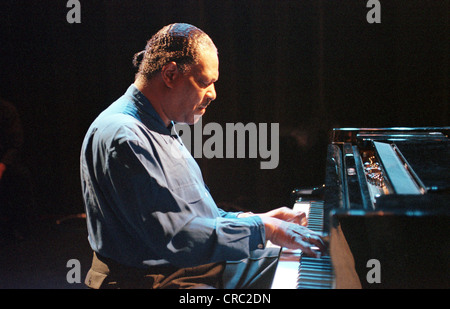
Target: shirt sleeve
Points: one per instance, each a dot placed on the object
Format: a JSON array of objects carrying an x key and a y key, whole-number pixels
[
  {"x": 184, "y": 231},
  {"x": 229, "y": 214}
]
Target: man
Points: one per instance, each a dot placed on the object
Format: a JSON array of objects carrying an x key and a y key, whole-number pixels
[{"x": 151, "y": 220}]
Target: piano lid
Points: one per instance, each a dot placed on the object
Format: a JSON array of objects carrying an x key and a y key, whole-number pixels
[
  {"x": 431, "y": 162},
  {"x": 350, "y": 135},
  {"x": 426, "y": 149},
  {"x": 401, "y": 178}
]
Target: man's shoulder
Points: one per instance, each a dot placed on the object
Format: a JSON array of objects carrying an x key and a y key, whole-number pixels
[
  {"x": 116, "y": 125},
  {"x": 120, "y": 113}
]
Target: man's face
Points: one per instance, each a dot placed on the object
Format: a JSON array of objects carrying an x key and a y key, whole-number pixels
[{"x": 195, "y": 89}]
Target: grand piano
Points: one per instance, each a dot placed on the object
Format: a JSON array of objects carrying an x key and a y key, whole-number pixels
[{"x": 384, "y": 210}]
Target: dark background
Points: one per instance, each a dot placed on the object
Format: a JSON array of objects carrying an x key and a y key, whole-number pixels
[{"x": 308, "y": 65}]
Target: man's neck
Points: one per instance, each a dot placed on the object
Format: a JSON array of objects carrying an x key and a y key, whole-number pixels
[{"x": 151, "y": 89}]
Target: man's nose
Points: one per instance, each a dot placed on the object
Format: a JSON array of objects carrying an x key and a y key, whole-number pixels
[{"x": 211, "y": 94}]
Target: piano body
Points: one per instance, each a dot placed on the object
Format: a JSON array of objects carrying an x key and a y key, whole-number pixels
[{"x": 385, "y": 210}]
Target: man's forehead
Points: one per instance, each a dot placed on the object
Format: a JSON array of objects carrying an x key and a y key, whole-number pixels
[{"x": 208, "y": 64}]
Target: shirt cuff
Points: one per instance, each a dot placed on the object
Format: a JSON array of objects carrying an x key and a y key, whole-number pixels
[{"x": 257, "y": 239}]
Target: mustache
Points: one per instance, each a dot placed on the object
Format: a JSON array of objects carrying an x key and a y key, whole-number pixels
[{"x": 207, "y": 103}]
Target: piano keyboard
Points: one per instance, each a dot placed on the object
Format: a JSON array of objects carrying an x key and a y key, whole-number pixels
[
  {"x": 295, "y": 271},
  {"x": 315, "y": 272}
]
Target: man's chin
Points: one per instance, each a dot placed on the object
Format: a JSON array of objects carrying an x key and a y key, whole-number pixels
[
  {"x": 197, "y": 118},
  {"x": 192, "y": 121}
]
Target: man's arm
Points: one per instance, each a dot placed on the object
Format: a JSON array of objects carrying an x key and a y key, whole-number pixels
[{"x": 287, "y": 228}]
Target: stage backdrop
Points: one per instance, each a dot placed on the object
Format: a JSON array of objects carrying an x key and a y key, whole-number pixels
[{"x": 308, "y": 65}]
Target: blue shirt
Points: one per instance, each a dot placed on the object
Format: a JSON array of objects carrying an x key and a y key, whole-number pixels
[{"x": 145, "y": 198}]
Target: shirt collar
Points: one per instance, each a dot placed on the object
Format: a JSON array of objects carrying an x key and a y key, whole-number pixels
[{"x": 144, "y": 106}]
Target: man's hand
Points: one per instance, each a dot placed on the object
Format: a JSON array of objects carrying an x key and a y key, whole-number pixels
[
  {"x": 282, "y": 213},
  {"x": 287, "y": 214},
  {"x": 287, "y": 228},
  {"x": 292, "y": 236}
]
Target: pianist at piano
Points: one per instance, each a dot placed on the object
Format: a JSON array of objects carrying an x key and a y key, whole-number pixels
[{"x": 151, "y": 220}]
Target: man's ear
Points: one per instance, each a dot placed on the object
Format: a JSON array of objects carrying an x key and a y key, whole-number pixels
[{"x": 170, "y": 74}]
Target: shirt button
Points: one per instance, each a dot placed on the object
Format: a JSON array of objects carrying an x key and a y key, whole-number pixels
[{"x": 260, "y": 246}]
